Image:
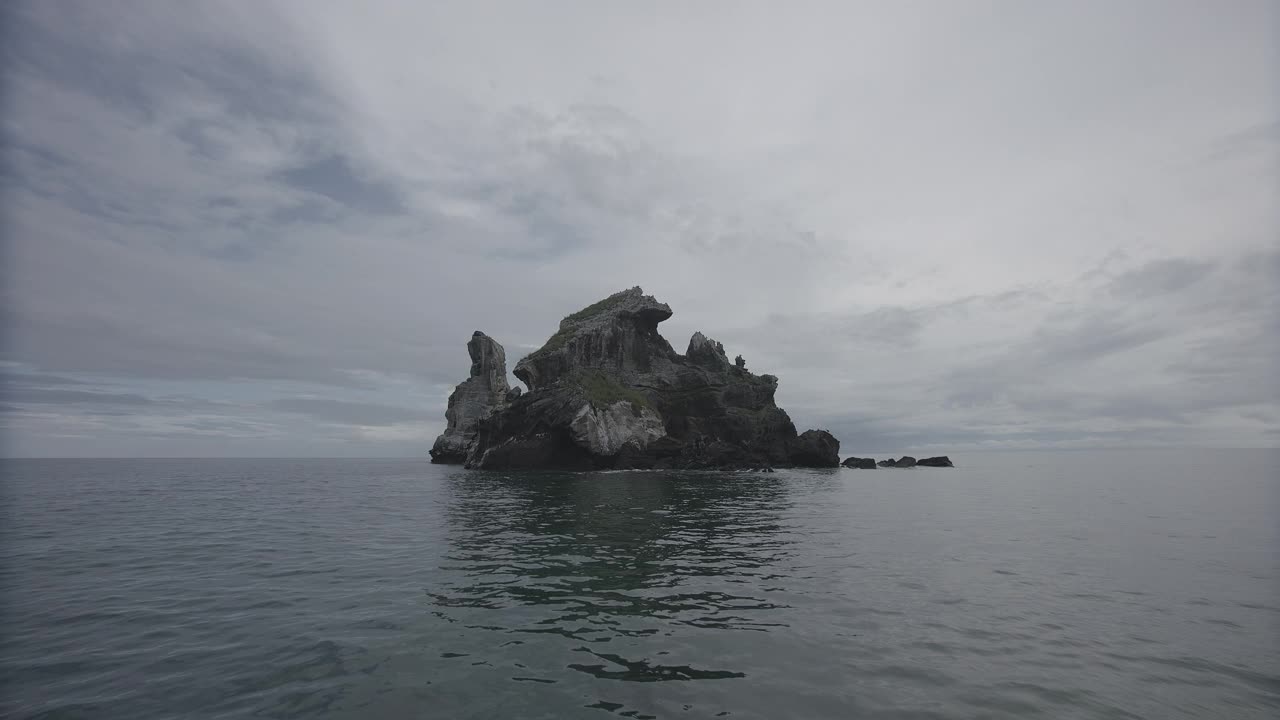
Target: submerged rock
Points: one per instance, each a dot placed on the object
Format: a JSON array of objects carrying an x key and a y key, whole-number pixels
[
  {"x": 940, "y": 461},
  {"x": 861, "y": 463},
  {"x": 608, "y": 391},
  {"x": 474, "y": 399}
]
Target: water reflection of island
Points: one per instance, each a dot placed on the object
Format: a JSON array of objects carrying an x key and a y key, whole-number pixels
[{"x": 599, "y": 558}]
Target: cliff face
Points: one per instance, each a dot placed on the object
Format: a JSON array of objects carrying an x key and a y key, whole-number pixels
[
  {"x": 608, "y": 391},
  {"x": 473, "y": 400},
  {"x": 618, "y": 335}
]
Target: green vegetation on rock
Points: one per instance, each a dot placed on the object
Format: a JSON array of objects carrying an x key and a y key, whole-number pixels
[
  {"x": 596, "y": 307},
  {"x": 569, "y": 325},
  {"x": 603, "y": 391},
  {"x": 557, "y": 341}
]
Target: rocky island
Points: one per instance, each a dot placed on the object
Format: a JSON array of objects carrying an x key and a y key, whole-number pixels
[{"x": 607, "y": 391}]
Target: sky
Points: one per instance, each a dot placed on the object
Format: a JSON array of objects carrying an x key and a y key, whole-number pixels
[{"x": 270, "y": 228}]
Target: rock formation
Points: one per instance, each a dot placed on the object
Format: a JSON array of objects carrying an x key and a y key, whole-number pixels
[
  {"x": 940, "y": 461},
  {"x": 857, "y": 462},
  {"x": 815, "y": 448},
  {"x": 906, "y": 461},
  {"x": 608, "y": 391},
  {"x": 474, "y": 399}
]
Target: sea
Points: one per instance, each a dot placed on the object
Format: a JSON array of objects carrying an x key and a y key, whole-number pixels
[{"x": 1072, "y": 584}]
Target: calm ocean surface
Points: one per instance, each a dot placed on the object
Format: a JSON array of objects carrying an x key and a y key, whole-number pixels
[{"x": 1065, "y": 585}]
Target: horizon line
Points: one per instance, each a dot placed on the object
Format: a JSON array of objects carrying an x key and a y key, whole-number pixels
[{"x": 427, "y": 458}]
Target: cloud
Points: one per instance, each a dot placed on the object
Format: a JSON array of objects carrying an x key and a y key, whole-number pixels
[
  {"x": 41, "y": 380},
  {"x": 40, "y": 396},
  {"x": 1160, "y": 277},
  {"x": 270, "y": 228},
  {"x": 334, "y": 178},
  {"x": 352, "y": 413}
]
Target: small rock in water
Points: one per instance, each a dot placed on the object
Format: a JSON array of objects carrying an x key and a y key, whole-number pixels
[{"x": 940, "y": 461}]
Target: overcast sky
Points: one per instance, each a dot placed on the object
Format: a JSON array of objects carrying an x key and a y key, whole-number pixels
[{"x": 250, "y": 228}]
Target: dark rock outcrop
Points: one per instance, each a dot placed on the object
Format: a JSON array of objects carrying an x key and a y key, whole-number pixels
[
  {"x": 940, "y": 461},
  {"x": 608, "y": 391},
  {"x": 706, "y": 353},
  {"x": 906, "y": 461},
  {"x": 861, "y": 463},
  {"x": 474, "y": 399},
  {"x": 816, "y": 448}
]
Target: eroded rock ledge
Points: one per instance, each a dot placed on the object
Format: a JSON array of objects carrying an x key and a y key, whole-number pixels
[{"x": 608, "y": 391}]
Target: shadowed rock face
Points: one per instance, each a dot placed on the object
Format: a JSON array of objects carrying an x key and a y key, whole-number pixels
[
  {"x": 473, "y": 400},
  {"x": 608, "y": 391},
  {"x": 815, "y": 448}
]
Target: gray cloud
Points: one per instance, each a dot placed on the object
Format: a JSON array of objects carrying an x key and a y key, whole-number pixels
[
  {"x": 887, "y": 324},
  {"x": 334, "y": 178},
  {"x": 352, "y": 413},
  {"x": 270, "y": 228},
  {"x": 76, "y": 397},
  {"x": 38, "y": 379},
  {"x": 1160, "y": 277}
]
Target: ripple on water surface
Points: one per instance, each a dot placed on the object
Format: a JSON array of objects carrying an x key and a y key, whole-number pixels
[{"x": 400, "y": 589}]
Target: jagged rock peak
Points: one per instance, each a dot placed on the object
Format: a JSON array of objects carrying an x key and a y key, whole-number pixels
[
  {"x": 473, "y": 400},
  {"x": 488, "y": 360},
  {"x": 618, "y": 333},
  {"x": 706, "y": 352}
]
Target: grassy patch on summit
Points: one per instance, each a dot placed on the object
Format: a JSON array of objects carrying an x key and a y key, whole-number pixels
[
  {"x": 596, "y": 307},
  {"x": 568, "y": 326},
  {"x": 557, "y": 341}
]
